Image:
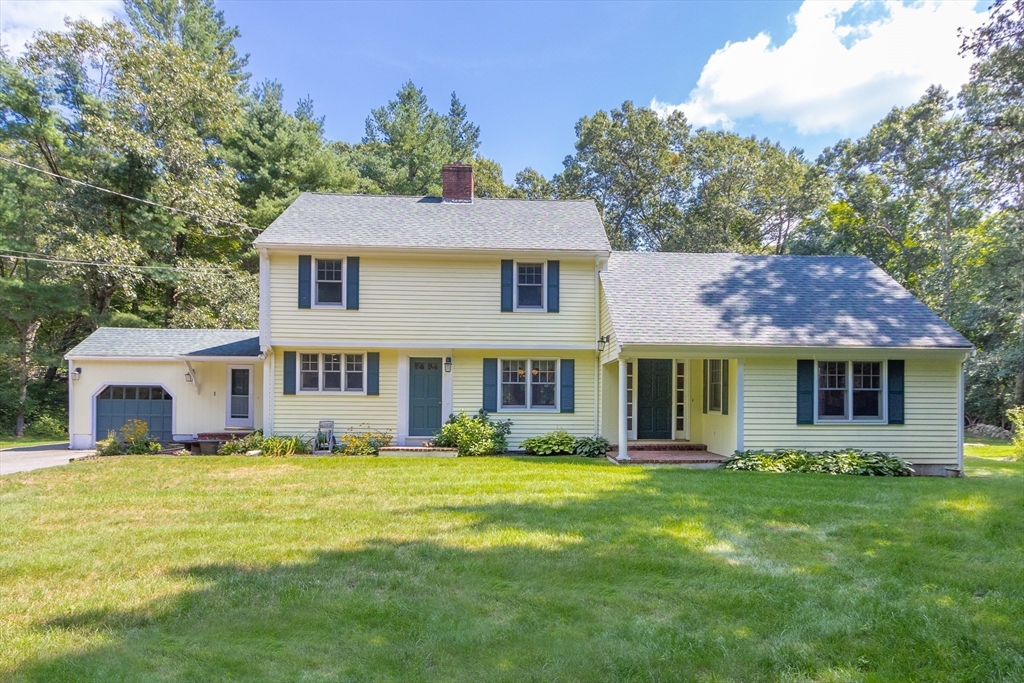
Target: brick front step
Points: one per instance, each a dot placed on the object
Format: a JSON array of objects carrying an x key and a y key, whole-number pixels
[
  {"x": 662, "y": 446},
  {"x": 648, "y": 457}
]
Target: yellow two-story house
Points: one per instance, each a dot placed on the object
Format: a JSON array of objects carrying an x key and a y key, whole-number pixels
[{"x": 393, "y": 313}]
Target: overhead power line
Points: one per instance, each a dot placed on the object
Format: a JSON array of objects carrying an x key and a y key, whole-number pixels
[
  {"x": 134, "y": 199},
  {"x": 14, "y": 253}
]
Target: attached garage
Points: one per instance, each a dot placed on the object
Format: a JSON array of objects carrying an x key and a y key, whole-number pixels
[{"x": 118, "y": 404}]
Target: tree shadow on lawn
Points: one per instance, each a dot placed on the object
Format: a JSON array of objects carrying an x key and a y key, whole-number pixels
[{"x": 672, "y": 575}]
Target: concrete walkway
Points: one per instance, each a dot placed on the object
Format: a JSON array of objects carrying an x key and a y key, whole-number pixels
[{"x": 26, "y": 458}]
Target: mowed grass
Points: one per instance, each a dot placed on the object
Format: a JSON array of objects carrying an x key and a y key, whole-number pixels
[
  {"x": 517, "y": 569},
  {"x": 25, "y": 441}
]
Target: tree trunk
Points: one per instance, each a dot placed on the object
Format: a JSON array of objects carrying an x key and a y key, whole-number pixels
[{"x": 27, "y": 341}]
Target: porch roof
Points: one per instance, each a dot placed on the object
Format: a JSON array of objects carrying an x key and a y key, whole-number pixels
[{"x": 790, "y": 301}]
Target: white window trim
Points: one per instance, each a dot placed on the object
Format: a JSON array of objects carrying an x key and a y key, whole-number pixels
[
  {"x": 234, "y": 421},
  {"x": 321, "y": 369},
  {"x": 849, "y": 419},
  {"x": 528, "y": 408},
  {"x": 721, "y": 384},
  {"x": 543, "y": 308},
  {"x": 344, "y": 283}
]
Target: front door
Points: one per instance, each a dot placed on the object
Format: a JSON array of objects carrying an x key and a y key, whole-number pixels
[
  {"x": 654, "y": 399},
  {"x": 424, "y": 396},
  {"x": 240, "y": 397}
]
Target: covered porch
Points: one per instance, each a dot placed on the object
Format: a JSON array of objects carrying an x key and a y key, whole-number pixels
[{"x": 667, "y": 406}]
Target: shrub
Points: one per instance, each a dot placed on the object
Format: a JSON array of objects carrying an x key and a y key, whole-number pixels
[
  {"x": 476, "y": 435},
  {"x": 592, "y": 446},
  {"x": 850, "y": 461},
  {"x": 1016, "y": 416},
  {"x": 47, "y": 427},
  {"x": 558, "y": 442},
  {"x": 249, "y": 442},
  {"x": 277, "y": 446},
  {"x": 368, "y": 442},
  {"x": 131, "y": 439},
  {"x": 109, "y": 445}
]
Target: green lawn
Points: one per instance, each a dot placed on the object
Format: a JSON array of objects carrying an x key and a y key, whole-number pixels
[
  {"x": 208, "y": 569},
  {"x": 21, "y": 442}
]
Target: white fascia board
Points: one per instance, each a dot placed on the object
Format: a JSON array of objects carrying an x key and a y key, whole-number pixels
[
  {"x": 360, "y": 250},
  {"x": 388, "y": 344},
  {"x": 735, "y": 351},
  {"x": 170, "y": 359}
]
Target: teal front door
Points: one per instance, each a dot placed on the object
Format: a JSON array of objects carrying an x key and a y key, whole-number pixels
[
  {"x": 424, "y": 396},
  {"x": 654, "y": 399}
]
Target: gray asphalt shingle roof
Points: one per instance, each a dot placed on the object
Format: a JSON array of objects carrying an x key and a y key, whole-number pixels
[
  {"x": 387, "y": 221},
  {"x": 116, "y": 342},
  {"x": 737, "y": 300}
]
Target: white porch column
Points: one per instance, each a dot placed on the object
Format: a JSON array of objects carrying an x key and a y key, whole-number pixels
[{"x": 623, "y": 432}]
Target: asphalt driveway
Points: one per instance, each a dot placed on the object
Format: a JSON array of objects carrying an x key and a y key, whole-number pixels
[{"x": 28, "y": 458}]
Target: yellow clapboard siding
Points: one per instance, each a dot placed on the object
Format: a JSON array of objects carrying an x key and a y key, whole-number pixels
[
  {"x": 929, "y": 435},
  {"x": 467, "y": 394},
  {"x": 299, "y": 413},
  {"x": 429, "y": 301}
]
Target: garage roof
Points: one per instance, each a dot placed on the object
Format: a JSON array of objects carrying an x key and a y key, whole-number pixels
[{"x": 119, "y": 342}]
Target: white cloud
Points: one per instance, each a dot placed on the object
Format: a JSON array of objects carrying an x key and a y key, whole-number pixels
[
  {"x": 19, "y": 19},
  {"x": 835, "y": 73}
]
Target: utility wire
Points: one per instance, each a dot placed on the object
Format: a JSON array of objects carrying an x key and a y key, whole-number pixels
[
  {"x": 134, "y": 199},
  {"x": 19, "y": 255}
]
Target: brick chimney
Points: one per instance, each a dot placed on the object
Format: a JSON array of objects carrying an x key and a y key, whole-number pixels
[{"x": 457, "y": 182}]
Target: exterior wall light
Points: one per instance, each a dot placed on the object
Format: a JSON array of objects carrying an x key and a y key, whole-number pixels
[
  {"x": 188, "y": 377},
  {"x": 77, "y": 374},
  {"x": 602, "y": 342},
  {"x": 448, "y": 364}
]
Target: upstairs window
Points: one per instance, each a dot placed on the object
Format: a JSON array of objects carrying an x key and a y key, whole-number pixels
[
  {"x": 850, "y": 390},
  {"x": 530, "y": 285},
  {"x": 329, "y": 278}
]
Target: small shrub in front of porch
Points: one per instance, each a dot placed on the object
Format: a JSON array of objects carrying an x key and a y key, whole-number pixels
[
  {"x": 849, "y": 461},
  {"x": 476, "y": 435},
  {"x": 367, "y": 442}
]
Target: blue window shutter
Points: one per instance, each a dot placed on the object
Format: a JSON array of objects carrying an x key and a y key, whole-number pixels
[
  {"x": 491, "y": 385},
  {"x": 552, "y": 286},
  {"x": 352, "y": 283},
  {"x": 725, "y": 386},
  {"x": 506, "y": 285},
  {"x": 567, "y": 402},
  {"x": 805, "y": 392},
  {"x": 705, "y": 382},
  {"x": 305, "y": 281},
  {"x": 373, "y": 373},
  {"x": 289, "y": 372},
  {"x": 896, "y": 382}
]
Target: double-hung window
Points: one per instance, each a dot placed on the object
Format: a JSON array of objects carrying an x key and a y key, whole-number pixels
[
  {"x": 850, "y": 391},
  {"x": 529, "y": 384},
  {"x": 530, "y": 286},
  {"x": 330, "y": 275},
  {"x": 332, "y": 372},
  {"x": 715, "y": 384}
]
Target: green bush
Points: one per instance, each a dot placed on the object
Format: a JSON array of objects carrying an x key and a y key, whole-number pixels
[
  {"x": 1016, "y": 416},
  {"x": 476, "y": 435},
  {"x": 592, "y": 446},
  {"x": 277, "y": 446},
  {"x": 131, "y": 439},
  {"x": 249, "y": 442},
  {"x": 558, "y": 442},
  {"x": 850, "y": 461},
  {"x": 368, "y": 442},
  {"x": 47, "y": 427}
]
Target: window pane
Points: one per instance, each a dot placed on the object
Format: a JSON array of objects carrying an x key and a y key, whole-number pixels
[
  {"x": 239, "y": 406},
  {"x": 513, "y": 383},
  {"x": 239, "y": 382},
  {"x": 680, "y": 396},
  {"x": 354, "y": 371},
  {"x": 867, "y": 375},
  {"x": 531, "y": 285},
  {"x": 832, "y": 403},
  {"x": 332, "y": 372},
  {"x": 867, "y": 403},
  {"x": 329, "y": 271},
  {"x": 328, "y": 292},
  {"x": 832, "y": 389},
  {"x": 542, "y": 382},
  {"x": 629, "y": 397},
  {"x": 144, "y": 393},
  {"x": 328, "y": 281},
  {"x": 310, "y": 375}
]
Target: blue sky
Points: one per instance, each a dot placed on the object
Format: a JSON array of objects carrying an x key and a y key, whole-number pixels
[{"x": 803, "y": 73}]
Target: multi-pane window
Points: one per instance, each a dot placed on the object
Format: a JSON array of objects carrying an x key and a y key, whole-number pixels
[
  {"x": 680, "y": 397},
  {"x": 329, "y": 275},
  {"x": 542, "y": 383},
  {"x": 332, "y": 372},
  {"x": 309, "y": 371},
  {"x": 529, "y": 383},
  {"x": 850, "y": 390},
  {"x": 715, "y": 384},
  {"x": 530, "y": 285},
  {"x": 353, "y": 372},
  {"x": 629, "y": 397}
]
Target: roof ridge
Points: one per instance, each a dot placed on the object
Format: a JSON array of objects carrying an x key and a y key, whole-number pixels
[{"x": 431, "y": 196}]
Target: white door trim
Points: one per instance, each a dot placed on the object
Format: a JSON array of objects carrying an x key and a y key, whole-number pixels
[
  {"x": 447, "y": 386},
  {"x": 235, "y": 422}
]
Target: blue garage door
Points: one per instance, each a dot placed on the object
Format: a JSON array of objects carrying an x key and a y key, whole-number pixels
[{"x": 119, "y": 404}]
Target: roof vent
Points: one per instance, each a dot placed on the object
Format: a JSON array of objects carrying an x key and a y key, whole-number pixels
[{"x": 457, "y": 183}]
